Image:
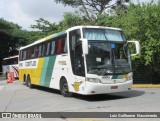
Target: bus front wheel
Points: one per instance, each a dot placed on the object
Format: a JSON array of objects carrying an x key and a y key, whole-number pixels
[{"x": 64, "y": 88}]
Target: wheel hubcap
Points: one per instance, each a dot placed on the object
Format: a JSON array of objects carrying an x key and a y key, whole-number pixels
[{"x": 65, "y": 88}]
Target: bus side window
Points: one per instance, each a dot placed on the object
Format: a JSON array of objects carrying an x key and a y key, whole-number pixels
[
  {"x": 40, "y": 50},
  {"x": 29, "y": 53},
  {"x": 73, "y": 41},
  {"x": 24, "y": 54},
  {"x": 32, "y": 53},
  {"x": 36, "y": 52},
  {"x": 59, "y": 46},
  {"x": 15, "y": 61},
  {"x": 43, "y": 49},
  {"x": 48, "y": 48},
  {"x": 64, "y": 45},
  {"x": 53, "y": 48},
  {"x": 21, "y": 55}
]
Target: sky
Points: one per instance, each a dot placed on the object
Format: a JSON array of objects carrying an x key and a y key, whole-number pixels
[{"x": 25, "y": 12}]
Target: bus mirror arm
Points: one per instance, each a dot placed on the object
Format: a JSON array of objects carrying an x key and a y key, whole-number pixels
[
  {"x": 137, "y": 46},
  {"x": 84, "y": 46}
]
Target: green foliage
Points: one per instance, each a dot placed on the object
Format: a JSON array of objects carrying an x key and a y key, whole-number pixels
[
  {"x": 32, "y": 36},
  {"x": 45, "y": 27},
  {"x": 11, "y": 37},
  {"x": 70, "y": 19},
  {"x": 92, "y": 10}
]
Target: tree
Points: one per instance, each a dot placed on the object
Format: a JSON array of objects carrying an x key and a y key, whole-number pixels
[
  {"x": 93, "y": 9},
  {"x": 45, "y": 27},
  {"x": 70, "y": 20},
  {"x": 11, "y": 38}
]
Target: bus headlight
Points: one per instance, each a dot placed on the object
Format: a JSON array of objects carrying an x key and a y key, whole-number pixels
[
  {"x": 130, "y": 76},
  {"x": 94, "y": 80}
]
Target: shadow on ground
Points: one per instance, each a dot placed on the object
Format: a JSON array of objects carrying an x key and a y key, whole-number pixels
[
  {"x": 111, "y": 96},
  {"x": 100, "y": 97}
]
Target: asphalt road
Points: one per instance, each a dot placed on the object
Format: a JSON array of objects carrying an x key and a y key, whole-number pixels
[{"x": 16, "y": 97}]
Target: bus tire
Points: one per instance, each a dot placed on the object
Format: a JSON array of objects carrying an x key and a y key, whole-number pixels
[
  {"x": 24, "y": 80},
  {"x": 64, "y": 88},
  {"x": 29, "y": 82}
]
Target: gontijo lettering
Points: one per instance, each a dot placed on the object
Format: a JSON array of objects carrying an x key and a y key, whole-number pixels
[{"x": 30, "y": 63}]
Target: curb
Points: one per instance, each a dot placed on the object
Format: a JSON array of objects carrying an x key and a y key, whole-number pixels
[{"x": 146, "y": 86}]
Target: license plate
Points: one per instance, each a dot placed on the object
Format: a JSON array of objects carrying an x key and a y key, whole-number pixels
[{"x": 114, "y": 87}]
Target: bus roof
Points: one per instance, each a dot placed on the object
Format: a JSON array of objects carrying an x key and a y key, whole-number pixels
[
  {"x": 15, "y": 56},
  {"x": 98, "y": 27},
  {"x": 65, "y": 31}
]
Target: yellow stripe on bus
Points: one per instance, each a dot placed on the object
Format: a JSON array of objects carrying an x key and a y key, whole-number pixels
[
  {"x": 38, "y": 72},
  {"x": 48, "y": 37}
]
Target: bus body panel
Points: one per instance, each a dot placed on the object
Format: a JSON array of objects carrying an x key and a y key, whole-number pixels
[
  {"x": 10, "y": 64},
  {"x": 50, "y": 70},
  {"x": 11, "y": 68}
]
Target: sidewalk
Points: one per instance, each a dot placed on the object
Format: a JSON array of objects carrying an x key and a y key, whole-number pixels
[{"x": 146, "y": 86}]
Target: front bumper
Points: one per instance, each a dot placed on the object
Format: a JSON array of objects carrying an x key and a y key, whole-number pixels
[{"x": 99, "y": 88}]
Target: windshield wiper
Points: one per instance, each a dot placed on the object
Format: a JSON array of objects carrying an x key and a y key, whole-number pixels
[{"x": 102, "y": 67}]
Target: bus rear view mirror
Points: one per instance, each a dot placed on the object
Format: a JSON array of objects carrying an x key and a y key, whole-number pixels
[
  {"x": 84, "y": 46},
  {"x": 134, "y": 47}
]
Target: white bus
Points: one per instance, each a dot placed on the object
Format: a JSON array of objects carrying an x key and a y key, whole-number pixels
[
  {"x": 10, "y": 64},
  {"x": 86, "y": 60}
]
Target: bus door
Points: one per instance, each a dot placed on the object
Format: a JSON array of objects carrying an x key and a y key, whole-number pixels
[{"x": 77, "y": 60}]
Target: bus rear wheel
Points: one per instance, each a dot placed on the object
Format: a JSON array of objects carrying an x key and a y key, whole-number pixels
[
  {"x": 24, "y": 80},
  {"x": 64, "y": 88},
  {"x": 28, "y": 82}
]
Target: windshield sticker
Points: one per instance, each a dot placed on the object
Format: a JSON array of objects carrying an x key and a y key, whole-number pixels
[
  {"x": 98, "y": 60},
  {"x": 112, "y": 45}
]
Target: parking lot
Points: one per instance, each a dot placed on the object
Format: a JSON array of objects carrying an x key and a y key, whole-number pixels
[{"x": 16, "y": 97}]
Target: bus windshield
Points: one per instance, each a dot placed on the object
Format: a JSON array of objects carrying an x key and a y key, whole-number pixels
[
  {"x": 108, "y": 53},
  {"x": 104, "y": 34},
  {"x": 10, "y": 61}
]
